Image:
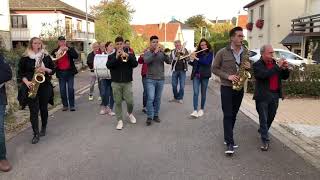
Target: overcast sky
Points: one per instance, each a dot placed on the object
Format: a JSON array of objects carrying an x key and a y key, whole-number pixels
[{"x": 155, "y": 11}]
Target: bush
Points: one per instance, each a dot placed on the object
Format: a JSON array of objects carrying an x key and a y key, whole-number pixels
[{"x": 304, "y": 81}]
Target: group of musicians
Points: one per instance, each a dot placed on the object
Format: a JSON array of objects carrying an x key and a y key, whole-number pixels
[{"x": 116, "y": 85}]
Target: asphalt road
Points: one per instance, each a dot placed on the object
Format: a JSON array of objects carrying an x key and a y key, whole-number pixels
[{"x": 83, "y": 145}]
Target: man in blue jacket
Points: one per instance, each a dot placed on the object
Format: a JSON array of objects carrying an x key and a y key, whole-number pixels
[{"x": 5, "y": 75}]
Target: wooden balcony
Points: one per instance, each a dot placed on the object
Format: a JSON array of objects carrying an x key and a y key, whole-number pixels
[{"x": 306, "y": 26}]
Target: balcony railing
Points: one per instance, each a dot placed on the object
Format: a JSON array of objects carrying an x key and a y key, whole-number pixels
[
  {"x": 20, "y": 34},
  {"x": 78, "y": 35},
  {"x": 308, "y": 25}
]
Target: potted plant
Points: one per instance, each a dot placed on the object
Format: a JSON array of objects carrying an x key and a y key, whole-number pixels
[
  {"x": 249, "y": 26},
  {"x": 259, "y": 23}
]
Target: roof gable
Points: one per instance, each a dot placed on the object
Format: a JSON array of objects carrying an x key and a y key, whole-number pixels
[
  {"x": 158, "y": 30},
  {"x": 46, "y": 5}
]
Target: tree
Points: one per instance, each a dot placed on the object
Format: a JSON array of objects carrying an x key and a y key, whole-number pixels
[
  {"x": 196, "y": 21},
  {"x": 112, "y": 20}
]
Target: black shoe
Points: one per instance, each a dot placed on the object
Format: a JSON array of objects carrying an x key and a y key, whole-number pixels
[
  {"x": 149, "y": 121},
  {"x": 234, "y": 145},
  {"x": 72, "y": 109},
  {"x": 35, "y": 139},
  {"x": 144, "y": 110},
  {"x": 230, "y": 150},
  {"x": 157, "y": 119},
  {"x": 42, "y": 132},
  {"x": 264, "y": 146},
  {"x": 65, "y": 109}
]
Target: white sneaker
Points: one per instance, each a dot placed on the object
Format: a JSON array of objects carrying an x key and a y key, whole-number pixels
[
  {"x": 112, "y": 113},
  {"x": 120, "y": 125},
  {"x": 132, "y": 119},
  {"x": 90, "y": 98},
  {"x": 180, "y": 101},
  {"x": 194, "y": 114},
  {"x": 102, "y": 111},
  {"x": 99, "y": 98},
  {"x": 200, "y": 113}
]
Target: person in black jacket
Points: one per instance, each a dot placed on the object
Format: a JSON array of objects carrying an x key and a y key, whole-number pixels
[
  {"x": 30, "y": 60},
  {"x": 66, "y": 70},
  {"x": 268, "y": 89},
  {"x": 90, "y": 61},
  {"x": 121, "y": 77},
  {"x": 5, "y": 75}
]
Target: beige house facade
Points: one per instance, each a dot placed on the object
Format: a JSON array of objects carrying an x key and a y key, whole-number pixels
[{"x": 276, "y": 16}]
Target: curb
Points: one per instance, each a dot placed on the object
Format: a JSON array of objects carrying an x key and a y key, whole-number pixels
[{"x": 299, "y": 144}]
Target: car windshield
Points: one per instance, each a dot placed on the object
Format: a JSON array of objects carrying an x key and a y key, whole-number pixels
[
  {"x": 287, "y": 55},
  {"x": 252, "y": 53}
]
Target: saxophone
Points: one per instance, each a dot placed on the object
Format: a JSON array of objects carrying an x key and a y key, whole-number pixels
[
  {"x": 242, "y": 73},
  {"x": 37, "y": 79}
]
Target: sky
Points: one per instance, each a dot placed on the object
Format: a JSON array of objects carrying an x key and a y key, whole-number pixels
[{"x": 156, "y": 11}]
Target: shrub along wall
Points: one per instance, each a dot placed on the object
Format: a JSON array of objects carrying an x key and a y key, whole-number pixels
[{"x": 303, "y": 82}]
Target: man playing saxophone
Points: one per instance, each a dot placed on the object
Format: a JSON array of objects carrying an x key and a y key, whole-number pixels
[
  {"x": 226, "y": 66},
  {"x": 268, "y": 74}
]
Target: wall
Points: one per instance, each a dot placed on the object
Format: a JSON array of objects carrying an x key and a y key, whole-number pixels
[
  {"x": 257, "y": 37},
  {"x": 188, "y": 36},
  {"x": 280, "y": 26},
  {"x": 5, "y": 38}
]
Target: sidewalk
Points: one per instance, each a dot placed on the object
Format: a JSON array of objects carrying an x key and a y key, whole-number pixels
[{"x": 297, "y": 123}]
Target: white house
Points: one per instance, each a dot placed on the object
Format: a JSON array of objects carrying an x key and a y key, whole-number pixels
[
  {"x": 5, "y": 40},
  {"x": 276, "y": 16},
  {"x": 49, "y": 18},
  {"x": 187, "y": 34}
]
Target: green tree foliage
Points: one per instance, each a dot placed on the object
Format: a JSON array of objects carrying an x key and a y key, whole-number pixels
[
  {"x": 112, "y": 20},
  {"x": 196, "y": 21}
]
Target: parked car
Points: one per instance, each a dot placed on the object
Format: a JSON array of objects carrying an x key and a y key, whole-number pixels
[{"x": 292, "y": 58}]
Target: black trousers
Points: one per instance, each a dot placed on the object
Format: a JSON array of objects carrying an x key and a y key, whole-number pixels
[
  {"x": 40, "y": 103},
  {"x": 231, "y": 101},
  {"x": 267, "y": 110}
]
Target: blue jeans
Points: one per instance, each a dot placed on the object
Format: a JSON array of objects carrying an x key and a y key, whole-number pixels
[
  {"x": 154, "y": 91},
  {"x": 178, "y": 77},
  {"x": 106, "y": 93},
  {"x": 145, "y": 96},
  {"x": 204, "y": 86},
  {"x": 67, "y": 95},
  {"x": 3, "y": 150}
]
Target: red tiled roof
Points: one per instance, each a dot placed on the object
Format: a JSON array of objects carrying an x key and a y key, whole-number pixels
[
  {"x": 158, "y": 30},
  {"x": 242, "y": 21}
]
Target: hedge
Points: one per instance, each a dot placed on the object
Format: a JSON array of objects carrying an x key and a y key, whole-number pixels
[{"x": 304, "y": 81}]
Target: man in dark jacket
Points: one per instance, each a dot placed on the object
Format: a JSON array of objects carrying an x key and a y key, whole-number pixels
[
  {"x": 65, "y": 72},
  {"x": 268, "y": 89},
  {"x": 90, "y": 61},
  {"x": 121, "y": 66},
  {"x": 5, "y": 75}
]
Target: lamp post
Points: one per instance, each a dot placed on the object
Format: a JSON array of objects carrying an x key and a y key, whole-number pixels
[{"x": 87, "y": 28}]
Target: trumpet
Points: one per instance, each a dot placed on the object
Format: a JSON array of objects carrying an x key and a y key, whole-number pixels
[
  {"x": 59, "y": 54},
  {"x": 123, "y": 55}
]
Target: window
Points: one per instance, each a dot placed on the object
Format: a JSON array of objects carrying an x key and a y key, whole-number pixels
[
  {"x": 19, "y": 21},
  {"x": 79, "y": 25},
  {"x": 251, "y": 16},
  {"x": 261, "y": 12}
]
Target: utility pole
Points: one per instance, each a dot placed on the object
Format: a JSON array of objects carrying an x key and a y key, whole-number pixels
[{"x": 87, "y": 28}]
